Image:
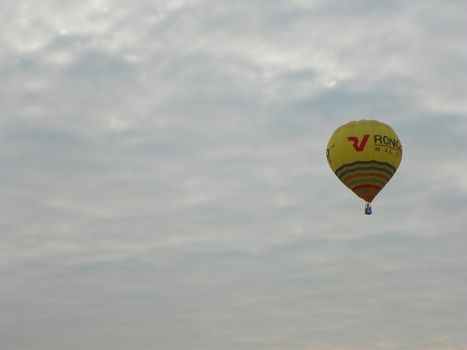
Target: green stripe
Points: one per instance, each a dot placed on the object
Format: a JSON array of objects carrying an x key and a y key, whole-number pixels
[
  {"x": 365, "y": 162},
  {"x": 379, "y": 169}
]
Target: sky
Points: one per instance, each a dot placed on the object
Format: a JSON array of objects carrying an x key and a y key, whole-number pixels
[{"x": 164, "y": 183}]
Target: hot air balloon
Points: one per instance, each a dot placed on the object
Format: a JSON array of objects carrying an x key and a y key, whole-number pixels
[{"x": 364, "y": 155}]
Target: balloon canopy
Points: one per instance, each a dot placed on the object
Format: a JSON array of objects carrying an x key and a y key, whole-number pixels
[{"x": 364, "y": 155}]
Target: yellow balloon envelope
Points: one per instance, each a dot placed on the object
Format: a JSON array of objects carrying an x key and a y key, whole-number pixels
[{"x": 364, "y": 155}]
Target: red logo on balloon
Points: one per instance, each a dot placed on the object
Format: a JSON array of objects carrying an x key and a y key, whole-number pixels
[{"x": 357, "y": 144}]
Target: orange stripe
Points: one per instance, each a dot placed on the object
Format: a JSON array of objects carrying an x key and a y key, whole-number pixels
[{"x": 347, "y": 178}]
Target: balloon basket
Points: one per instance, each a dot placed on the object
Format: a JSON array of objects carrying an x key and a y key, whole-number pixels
[{"x": 368, "y": 210}]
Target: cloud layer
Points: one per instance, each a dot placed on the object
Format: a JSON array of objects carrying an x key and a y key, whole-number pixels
[{"x": 164, "y": 182}]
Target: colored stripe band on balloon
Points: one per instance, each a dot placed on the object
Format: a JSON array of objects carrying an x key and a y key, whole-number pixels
[
  {"x": 366, "y": 174},
  {"x": 374, "y": 168},
  {"x": 390, "y": 168},
  {"x": 365, "y": 181},
  {"x": 356, "y": 188}
]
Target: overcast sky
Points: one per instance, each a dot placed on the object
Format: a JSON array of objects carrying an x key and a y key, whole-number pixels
[{"x": 164, "y": 185}]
